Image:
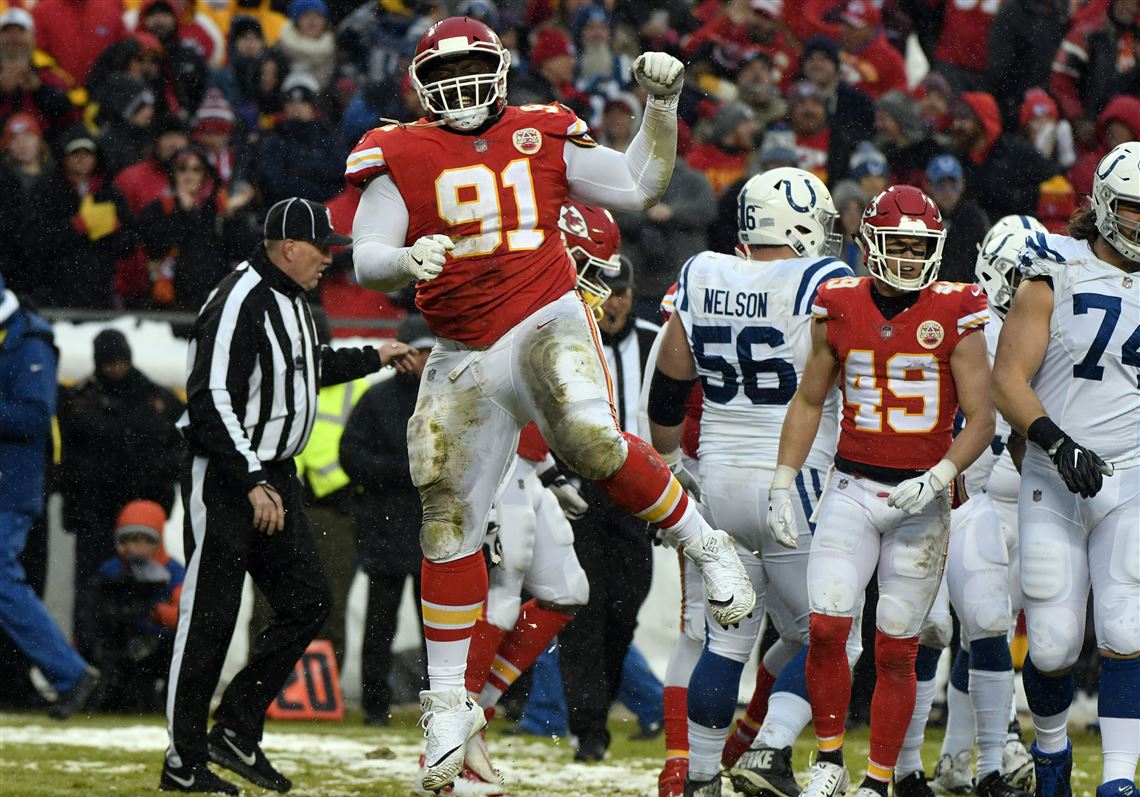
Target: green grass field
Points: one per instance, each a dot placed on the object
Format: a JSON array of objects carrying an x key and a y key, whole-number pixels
[{"x": 109, "y": 755}]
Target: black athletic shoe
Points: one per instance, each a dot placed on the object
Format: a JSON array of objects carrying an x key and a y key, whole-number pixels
[
  {"x": 994, "y": 785},
  {"x": 765, "y": 772},
  {"x": 590, "y": 749},
  {"x": 76, "y": 698},
  {"x": 197, "y": 779},
  {"x": 245, "y": 758},
  {"x": 913, "y": 785}
]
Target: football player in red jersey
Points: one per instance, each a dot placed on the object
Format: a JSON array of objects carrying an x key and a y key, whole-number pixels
[
  {"x": 903, "y": 349},
  {"x": 466, "y": 202}
]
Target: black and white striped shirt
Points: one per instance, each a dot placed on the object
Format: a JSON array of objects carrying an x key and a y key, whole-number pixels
[{"x": 255, "y": 368}]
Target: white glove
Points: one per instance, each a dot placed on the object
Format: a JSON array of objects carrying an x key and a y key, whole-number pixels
[
  {"x": 571, "y": 502},
  {"x": 781, "y": 511},
  {"x": 424, "y": 259},
  {"x": 688, "y": 481},
  {"x": 660, "y": 74},
  {"x": 913, "y": 495}
]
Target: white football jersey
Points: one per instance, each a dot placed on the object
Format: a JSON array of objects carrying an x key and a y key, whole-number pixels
[
  {"x": 1089, "y": 381},
  {"x": 995, "y": 456},
  {"x": 749, "y": 326}
]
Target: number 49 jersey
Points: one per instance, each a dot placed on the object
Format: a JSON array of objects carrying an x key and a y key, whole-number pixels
[
  {"x": 1089, "y": 382},
  {"x": 899, "y": 398},
  {"x": 498, "y": 195},
  {"x": 748, "y": 324}
]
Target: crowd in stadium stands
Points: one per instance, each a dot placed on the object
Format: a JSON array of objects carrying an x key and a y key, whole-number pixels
[{"x": 142, "y": 143}]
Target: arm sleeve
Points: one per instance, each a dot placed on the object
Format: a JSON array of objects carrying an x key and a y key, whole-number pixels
[
  {"x": 344, "y": 365},
  {"x": 378, "y": 234},
  {"x": 631, "y": 180},
  {"x": 218, "y": 380}
]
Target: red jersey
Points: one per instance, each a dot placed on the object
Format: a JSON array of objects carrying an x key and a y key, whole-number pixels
[
  {"x": 899, "y": 399},
  {"x": 965, "y": 24},
  {"x": 498, "y": 196}
]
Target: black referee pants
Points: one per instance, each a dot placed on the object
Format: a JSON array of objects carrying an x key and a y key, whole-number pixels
[{"x": 221, "y": 547}]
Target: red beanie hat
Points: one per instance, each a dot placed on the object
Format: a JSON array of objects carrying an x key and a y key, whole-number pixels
[
  {"x": 549, "y": 44},
  {"x": 141, "y": 517},
  {"x": 1037, "y": 104}
]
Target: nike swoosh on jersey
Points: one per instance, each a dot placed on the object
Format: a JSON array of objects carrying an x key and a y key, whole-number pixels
[
  {"x": 185, "y": 783},
  {"x": 249, "y": 760},
  {"x": 445, "y": 755}
]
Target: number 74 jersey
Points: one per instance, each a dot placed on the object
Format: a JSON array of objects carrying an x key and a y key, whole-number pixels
[{"x": 899, "y": 398}]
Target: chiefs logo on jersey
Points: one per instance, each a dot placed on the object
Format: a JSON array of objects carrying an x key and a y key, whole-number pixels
[
  {"x": 930, "y": 334},
  {"x": 527, "y": 141}
]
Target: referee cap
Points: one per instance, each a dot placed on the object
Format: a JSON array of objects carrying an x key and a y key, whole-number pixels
[{"x": 299, "y": 219}]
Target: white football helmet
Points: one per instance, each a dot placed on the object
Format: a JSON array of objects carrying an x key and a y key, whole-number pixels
[
  {"x": 467, "y": 101},
  {"x": 996, "y": 266},
  {"x": 1118, "y": 180},
  {"x": 788, "y": 207}
]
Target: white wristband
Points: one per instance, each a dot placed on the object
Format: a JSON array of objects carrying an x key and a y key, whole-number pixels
[
  {"x": 783, "y": 478},
  {"x": 944, "y": 471},
  {"x": 672, "y": 458}
]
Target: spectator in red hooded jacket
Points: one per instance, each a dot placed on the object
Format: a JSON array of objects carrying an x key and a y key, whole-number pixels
[
  {"x": 1003, "y": 171},
  {"x": 870, "y": 63},
  {"x": 1117, "y": 123},
  {"x": 741, "y": 29},
  {"x": 75, "y": 32},
  {"x": 183, "y": 72}
]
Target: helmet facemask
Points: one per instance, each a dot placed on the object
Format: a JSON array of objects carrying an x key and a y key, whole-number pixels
[
  {"x": 879, "y": 243},
  {"x": 463, "y": 102},
  {"x": 591, "y": 273},
  {"x": 1120, "y": 231}
]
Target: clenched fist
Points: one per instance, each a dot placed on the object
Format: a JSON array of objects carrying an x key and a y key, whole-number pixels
[
  {"x": 660, "y": 74},
  {"x": 425, "y": 258}
]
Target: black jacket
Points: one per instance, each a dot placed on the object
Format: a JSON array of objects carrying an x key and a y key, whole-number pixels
[
  {"x": 1022, "y": 41},
  {"x": 374, "y": 454},
  {"x": 1009, "y": 179},
  {"x": 300, "y": 159},
  {"x": 966, "y": 226},
  {"x": 852, "y": 119}
]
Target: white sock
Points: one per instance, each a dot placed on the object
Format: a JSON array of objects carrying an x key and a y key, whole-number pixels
[
  {"x": 910, "y": 756},
  {"x": 1052, "y": 732},
  {"x": 690, "y": 528},
  {"x": 788, "y": 715},
  {"x": 960, "y": 722},
  {"x": 447, "y": 663},
  {"x": 705, "y": 745},
  {"x": 991, "y": 692},
  {"x": 1120, "y": 743}
]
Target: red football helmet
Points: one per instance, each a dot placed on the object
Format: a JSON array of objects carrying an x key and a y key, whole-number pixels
[
  {"x": 594, "y": 241},
  {"x": 466, "y": 101},
  {"x": 902, "y": 211}
]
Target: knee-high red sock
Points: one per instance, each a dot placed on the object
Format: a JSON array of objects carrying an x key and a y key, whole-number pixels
[
  {"x": 676, "y": 722},
  {"x": 829, "y": 679},
  {"x": 892, "y": 703},
  {"x": 452, "y": 595},
  {"x": 532, "y": 634},
  {"x": 485, "y": 640},
  {"x": 644, "y": 486}
]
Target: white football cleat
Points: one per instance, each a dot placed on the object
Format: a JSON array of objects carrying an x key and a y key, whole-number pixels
[
  {"x": 827, "y": 780},
  {"x": 952, "y": 775},
  {"x": 450, "y": 718},
  {"x": 727, "y": 586},
  {"x": 477, "y": 761},
  {"x": 1017, "y": 765}
]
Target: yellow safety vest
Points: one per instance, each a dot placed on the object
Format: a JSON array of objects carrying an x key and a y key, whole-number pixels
[{"x": 319, "y": 463}]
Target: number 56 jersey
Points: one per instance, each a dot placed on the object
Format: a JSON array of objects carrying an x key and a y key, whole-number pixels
[
  {"x": 748, "y": 324},
  {"x": 899, "y": 398},
  {"x": 498, "y": 195}
]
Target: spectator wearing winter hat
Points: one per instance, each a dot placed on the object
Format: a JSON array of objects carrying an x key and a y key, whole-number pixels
[
  {"x": 903, "y": 138},
  {"x": 127, "y": 613},
  {"x": 25, "y": 154},
  {"x": 599, "y": 72},
  {"x": 1003, "y": 171},
  {"x": 183, "y": 70},
  {"x": 18, "y": 38},
  {"x": 741, "y": 28},
  {"x": 23, "y": 91},
  {"x": 300, "y": 156},
  {"x": 138, "y": 56},
  {"x": 550, "y": 75},
  {"x": 966, "y": 224},
  {"x": 1039, "y": 124},
  {"x": 308, "y": 41},
  {"x": 758, "y": 87},
  {"x": 934, "y": 96},
  {"x": 127, "y": 113},
  {"x": 213, "y": 130},
  {"x": 87, "y": 221},
  {"x": 876, "y": 66},
  {"x": 1117, "y": 123},
  {"x": 729, "y": 143},
  {"x": 245, "y": 45},
  {"x": 850, "y": 112},
  {"x": 1020, "y": 46},
  {"x": 621, "y": 117},
  {"x": 815, "y": 136},
  {"x": 870, "y": 169}
]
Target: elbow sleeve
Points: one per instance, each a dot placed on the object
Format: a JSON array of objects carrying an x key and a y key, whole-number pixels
[{"x": 667, "y": 399}]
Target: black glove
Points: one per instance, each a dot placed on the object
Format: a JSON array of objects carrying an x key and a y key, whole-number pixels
[{"x": 1082, "y": 470}]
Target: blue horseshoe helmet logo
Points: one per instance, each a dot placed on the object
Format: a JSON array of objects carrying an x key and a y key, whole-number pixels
[{"x": 792, "y": 202}]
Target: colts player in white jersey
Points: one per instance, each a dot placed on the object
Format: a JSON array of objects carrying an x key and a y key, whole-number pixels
[
  {"x": 742, "y": 325},
  {"x": 1067, "y": 377},
  {"x": 970, "y": 560}
]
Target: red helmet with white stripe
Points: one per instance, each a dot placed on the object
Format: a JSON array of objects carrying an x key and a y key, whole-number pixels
[
  {"x": 594, "y": 241},
  {"x": 462, "y": 101},
  {"x": 903, "y": 225}
]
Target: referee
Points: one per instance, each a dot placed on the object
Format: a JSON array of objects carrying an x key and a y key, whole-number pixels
[{"x": 255, "y": 368}]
